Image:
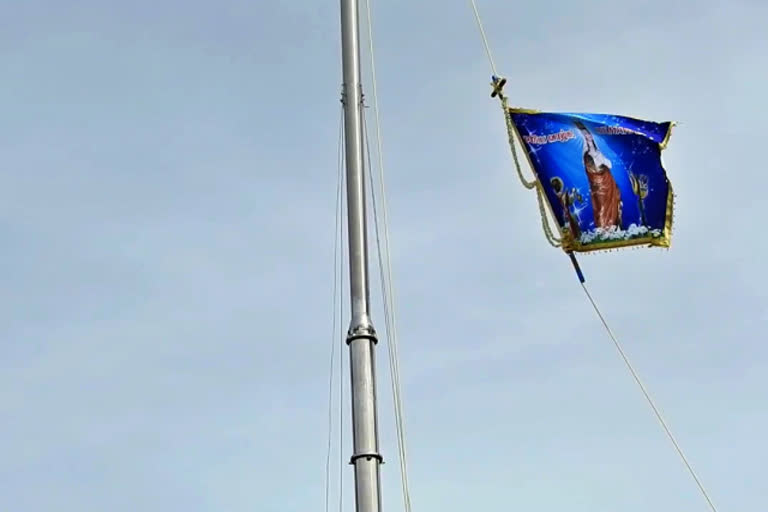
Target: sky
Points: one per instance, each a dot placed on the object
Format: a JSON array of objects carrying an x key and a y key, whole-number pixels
[{"x": 167, "y": 207}]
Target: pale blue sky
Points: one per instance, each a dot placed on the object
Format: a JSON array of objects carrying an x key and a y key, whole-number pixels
[{"x": 167, "y": 193}]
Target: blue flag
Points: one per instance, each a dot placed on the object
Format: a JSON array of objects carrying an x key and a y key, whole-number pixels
[{"x": 602, "y": 177}]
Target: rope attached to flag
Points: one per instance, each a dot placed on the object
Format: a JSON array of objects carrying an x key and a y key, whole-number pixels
[{"x": 498, "y": 85}]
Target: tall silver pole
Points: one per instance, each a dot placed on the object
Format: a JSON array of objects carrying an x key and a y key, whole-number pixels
[{"x": 361, "y": 336}]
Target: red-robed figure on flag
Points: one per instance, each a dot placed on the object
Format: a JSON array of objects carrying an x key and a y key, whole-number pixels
[{"x": 606, "y": 197}]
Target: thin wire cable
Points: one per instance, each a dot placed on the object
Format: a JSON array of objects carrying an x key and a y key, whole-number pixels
[
  {"x": 485, "y": 39},
  {"x": 393, "y": 362},
  {"x": 336, "y": 307},
  {"x": 386, "y": 268},
  {"x": 553, "y": 240},
  {"x": 650, "y": 401},
  {"x": 341, "y": 363}
]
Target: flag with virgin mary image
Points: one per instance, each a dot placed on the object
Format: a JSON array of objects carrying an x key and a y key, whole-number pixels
[{"x": 602, "y": 177}]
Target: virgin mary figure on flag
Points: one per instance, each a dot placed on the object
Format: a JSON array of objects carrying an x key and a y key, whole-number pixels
[{"x": 609, "y": 167}]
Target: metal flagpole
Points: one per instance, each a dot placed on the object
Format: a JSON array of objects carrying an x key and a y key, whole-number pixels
[{"x": 361, "y": 337}]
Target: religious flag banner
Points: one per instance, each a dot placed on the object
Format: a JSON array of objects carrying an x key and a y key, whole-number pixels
[{"x": 602, "y": 177}]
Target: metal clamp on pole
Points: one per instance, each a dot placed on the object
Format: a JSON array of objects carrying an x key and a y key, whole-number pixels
[
  {"x": 362, "y": 336},
  {"x": 367, "y": 456}
]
